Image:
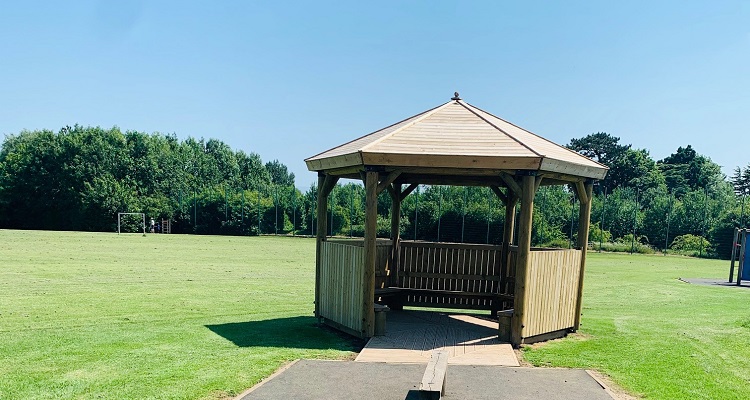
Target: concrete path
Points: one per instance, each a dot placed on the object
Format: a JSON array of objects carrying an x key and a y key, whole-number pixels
[
  {"x": 412, "y": 335},
  {"x": 715, "y": 282},
  {"x": 339, "y": 380}
]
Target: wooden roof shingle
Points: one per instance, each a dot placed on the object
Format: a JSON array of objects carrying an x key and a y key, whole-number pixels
[{"x": 457, "y": 135}]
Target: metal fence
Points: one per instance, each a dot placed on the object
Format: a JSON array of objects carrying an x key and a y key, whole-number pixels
[{"x": 628, "y": 219}]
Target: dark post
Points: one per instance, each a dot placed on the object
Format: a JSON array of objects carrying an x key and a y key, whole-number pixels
[
  {"x": 294, "y": 211},
  {"x": 489, "y": 211},
  {"x": 635, "y": 222},
  {"x": 705, "y": 216},
  {"x": 572, "y": 212},
  {"x": 416, "y": 212},
  {"x": 395, "y": 232},
  {"x": 463, "y": 215},
  {"x": 601, "y": 223},
  {"x": 669, "y": 212},
  {"x": 258, "y": 209},
  {"x": 508, "y": 230},
  {"x": 440, "y": 210},
  {"x": 584, "y": 219}
]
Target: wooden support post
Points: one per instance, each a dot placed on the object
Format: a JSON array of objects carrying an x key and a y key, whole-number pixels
[
  {"x": 320, "y": 237},
  {"x": 395, "y": 232},
  {"x": 368, "y": 278},
  {"x": 584, "y": 220},
  {"x": 508, "y": 230},
  {"x": 523, "y": 259},
  {"x": 325, "y": 185}
]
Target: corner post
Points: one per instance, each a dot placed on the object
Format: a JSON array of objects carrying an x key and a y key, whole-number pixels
[
  {"x": 524, "y": 258},
  {"x": 325, "y": 185},
  {"x": 368, "y": 278},
  {"x": 322, "y": 211},
  {"x": 585, "y": 193}
]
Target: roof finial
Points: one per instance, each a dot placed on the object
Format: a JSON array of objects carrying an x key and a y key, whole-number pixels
[{"x": 455, "y": 96}]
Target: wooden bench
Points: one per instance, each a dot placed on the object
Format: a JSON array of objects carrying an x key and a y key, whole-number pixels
[
  {"x": 432, "y": 386},
  {"x": 395, "y": 297}
]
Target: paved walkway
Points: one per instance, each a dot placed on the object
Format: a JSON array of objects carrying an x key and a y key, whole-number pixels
[
  {"x": 339, "y": 380},
  {"x": 715, "y": 282},
  {"x": 412, "y": 336}
]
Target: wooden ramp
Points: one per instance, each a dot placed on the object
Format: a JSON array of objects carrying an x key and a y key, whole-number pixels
[{"x": 411, "y": 336}]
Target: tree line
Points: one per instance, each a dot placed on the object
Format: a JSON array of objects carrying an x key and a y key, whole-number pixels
[{"x": 79, "y": 178}]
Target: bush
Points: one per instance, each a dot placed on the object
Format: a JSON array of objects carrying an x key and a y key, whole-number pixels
[
  {"x": 558, "y": 243},
  {"x": 690, "y": 243},
  {"x": 624, "y": 247},
  {"x": 598, "y": 235}
]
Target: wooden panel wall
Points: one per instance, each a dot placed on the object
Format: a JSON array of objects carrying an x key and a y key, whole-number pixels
[
  {"x": 341, "y": 279},
  {"x": 452, "y": 267},
  {"x": 383, "y": 273},
  {"x": 550, "y": 302}
]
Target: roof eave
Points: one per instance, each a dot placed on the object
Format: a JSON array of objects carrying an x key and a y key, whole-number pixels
[
  {"x": 335, "y": 162},
  {"x": 564, "y": 167}
]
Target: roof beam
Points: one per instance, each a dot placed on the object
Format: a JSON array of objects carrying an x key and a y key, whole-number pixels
[{"x": 428, "y": 179}]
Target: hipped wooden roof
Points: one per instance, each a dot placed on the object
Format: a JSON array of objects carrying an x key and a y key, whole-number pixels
[{"x": 456, "y": 136}]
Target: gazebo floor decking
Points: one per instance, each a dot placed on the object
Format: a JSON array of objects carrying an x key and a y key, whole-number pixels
[{"x": 412, "y": 335}]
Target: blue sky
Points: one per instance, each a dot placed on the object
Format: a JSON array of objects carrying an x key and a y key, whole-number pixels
[{"x": 290, "y": 79}]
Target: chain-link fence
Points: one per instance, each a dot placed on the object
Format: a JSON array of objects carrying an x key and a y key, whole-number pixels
[{"x": 628, "y": 219}]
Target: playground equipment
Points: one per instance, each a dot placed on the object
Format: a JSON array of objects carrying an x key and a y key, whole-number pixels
[{"x": 740, "y": 253}]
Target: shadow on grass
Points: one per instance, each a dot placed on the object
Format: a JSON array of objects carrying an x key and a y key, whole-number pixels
[{"x": 291, "y": 332}]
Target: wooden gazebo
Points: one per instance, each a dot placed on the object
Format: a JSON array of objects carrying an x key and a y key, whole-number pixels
[{"x": 453, "y": 144}]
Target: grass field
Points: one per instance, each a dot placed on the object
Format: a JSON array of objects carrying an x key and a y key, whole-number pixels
[{"x": 95, "y": 315}]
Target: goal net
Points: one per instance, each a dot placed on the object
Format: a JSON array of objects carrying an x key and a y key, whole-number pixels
[{"x": 131, "y": 222}]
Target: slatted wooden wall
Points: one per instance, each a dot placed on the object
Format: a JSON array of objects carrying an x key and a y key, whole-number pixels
[
  {"x": 467, "y": 268},
  {"x": 341, "y": 276},
  {"x": 551, "y": 291}
]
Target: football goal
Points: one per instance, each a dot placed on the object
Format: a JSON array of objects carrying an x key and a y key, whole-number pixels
[{"x": 131, "y": 221}]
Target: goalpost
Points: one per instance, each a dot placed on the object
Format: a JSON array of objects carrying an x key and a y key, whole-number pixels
[{"x": 119, "y": 219}]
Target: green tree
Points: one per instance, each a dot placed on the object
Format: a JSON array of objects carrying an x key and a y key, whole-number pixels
[{"x": 686, "y": 170}]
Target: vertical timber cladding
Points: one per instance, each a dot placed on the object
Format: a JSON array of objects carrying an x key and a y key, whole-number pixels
[
  {"x": 551, "y": 292},
  {"x": 341, "y": 292},
  {"x": 467, "y": 268}
]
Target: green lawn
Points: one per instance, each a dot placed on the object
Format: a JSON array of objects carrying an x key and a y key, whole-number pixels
[
  {"x": 97, "y": 315},
  {"x": 656, "y": 336}
]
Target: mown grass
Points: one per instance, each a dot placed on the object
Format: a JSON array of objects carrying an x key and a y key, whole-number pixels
[
  {"x": 657, "y": 336},
  {"x": 97, "y": 315}
]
